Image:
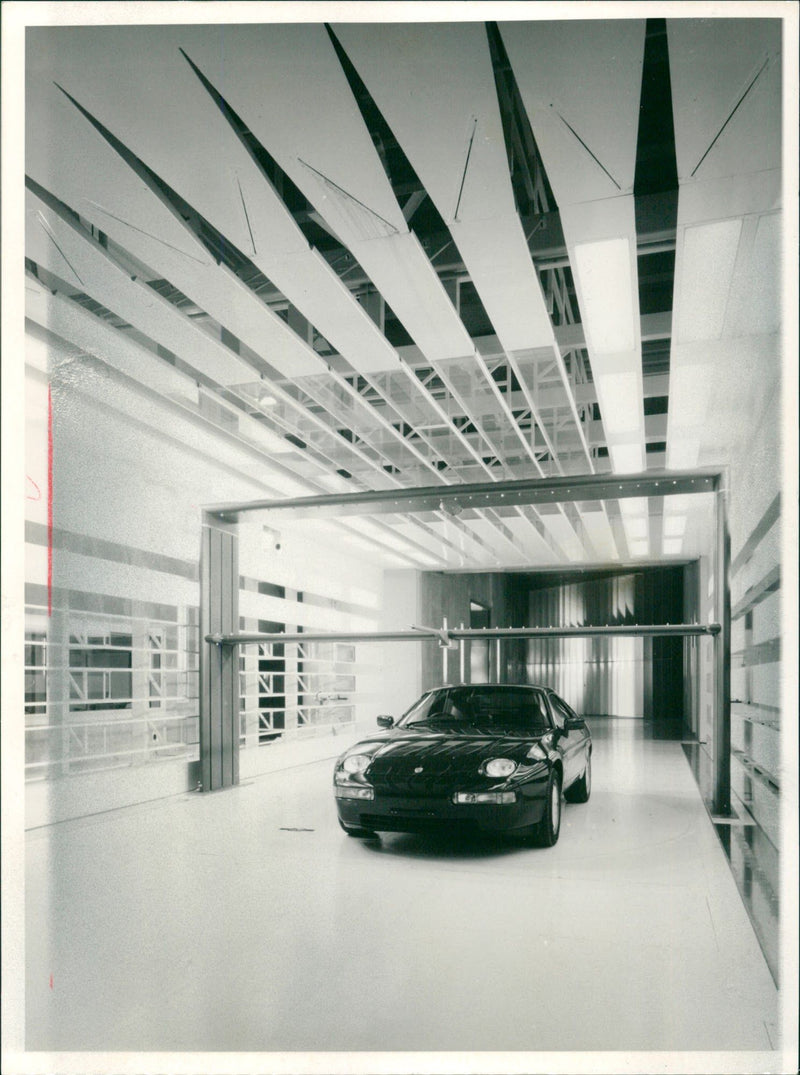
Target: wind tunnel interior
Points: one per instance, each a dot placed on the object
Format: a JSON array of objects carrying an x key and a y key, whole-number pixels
[{"x": 633, "y": 677}]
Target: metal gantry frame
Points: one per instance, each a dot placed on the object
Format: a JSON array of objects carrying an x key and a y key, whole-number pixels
[{"x": 219, "y": 594}]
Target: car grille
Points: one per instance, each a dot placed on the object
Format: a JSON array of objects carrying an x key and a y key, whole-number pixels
[{"x": 443, "y": 769}]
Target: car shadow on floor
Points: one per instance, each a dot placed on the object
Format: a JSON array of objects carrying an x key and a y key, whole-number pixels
[{"x": 447, "y": 846}]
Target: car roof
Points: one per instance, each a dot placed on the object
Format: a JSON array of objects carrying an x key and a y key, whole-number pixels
[{"x": 491, "y": 686}]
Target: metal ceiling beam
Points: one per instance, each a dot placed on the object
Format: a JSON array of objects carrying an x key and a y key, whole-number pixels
[{"x": 584, "y": 487}]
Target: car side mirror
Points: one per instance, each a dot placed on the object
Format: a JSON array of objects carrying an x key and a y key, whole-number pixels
[
  {"x": 385, "y": 721},
  {"x": 572, "y": 724}
]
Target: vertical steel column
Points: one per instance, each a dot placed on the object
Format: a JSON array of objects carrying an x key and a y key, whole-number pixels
[
  {"x": 721, "y": 802},
  {"x": 219, "y": 664}
]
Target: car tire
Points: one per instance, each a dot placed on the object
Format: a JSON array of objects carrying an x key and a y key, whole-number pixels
[
  {"x": 582, "y": 788},
  {"x": 357, "y": 832},
  {"x": 547, "y": 831}
]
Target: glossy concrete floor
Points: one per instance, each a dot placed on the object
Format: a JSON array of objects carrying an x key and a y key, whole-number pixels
[{"x": 245, "y": 920}]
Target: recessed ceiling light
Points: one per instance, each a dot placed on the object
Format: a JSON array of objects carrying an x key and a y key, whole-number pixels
[{"x": 604, "y": 278}]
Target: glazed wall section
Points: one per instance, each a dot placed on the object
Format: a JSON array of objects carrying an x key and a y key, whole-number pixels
[
  {"x": 112, "y": 645},
  {"x": 752, "y": 842}
]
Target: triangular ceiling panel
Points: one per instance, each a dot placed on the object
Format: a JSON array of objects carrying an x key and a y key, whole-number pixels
[
  {"x": 441, "y": 72},
  {"x": 727, "y": 115},
  {"x": 81, "y": 262},
  {"x": 726, "y": 94},
  {"x": 444, "y": 72},
  {"x": 339, "y": 171},
  {"x": 198, "y": 154},
  {"x": 107, "y": 192},
  {"x": 581, "y": 85},
  {"x": 327, "y": 151}
]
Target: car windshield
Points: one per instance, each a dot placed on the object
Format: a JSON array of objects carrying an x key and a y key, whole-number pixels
[{"x": 512, "y": 710}]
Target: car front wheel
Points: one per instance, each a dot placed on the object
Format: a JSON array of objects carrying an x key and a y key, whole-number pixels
[
  {"x": 581, "y": 789},
  {"x": 550, "y": 825}
]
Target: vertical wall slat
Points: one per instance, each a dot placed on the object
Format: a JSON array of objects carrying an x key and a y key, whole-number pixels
[
  {"x": 216, "y": 659},
  {"x": 234, "y": 657},
  {"x": 227, "y": 655},
  {"x": 219, "y": 701},
  {"x": 206, "y": 657}
]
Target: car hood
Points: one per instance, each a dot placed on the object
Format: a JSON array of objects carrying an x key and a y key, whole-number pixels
[
  {"x": 399, "y": 744},
  {"x": 425, "y": 762}
]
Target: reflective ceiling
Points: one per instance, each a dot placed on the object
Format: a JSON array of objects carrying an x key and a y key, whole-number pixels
[{"x": 385, "y": 256}]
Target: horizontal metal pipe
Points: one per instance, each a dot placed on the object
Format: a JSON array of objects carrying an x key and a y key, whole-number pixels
[
  {"x": 559, "y": 490},
  {"x": 429, "y": 634}
]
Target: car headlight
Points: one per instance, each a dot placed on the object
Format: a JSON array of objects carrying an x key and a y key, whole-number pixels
[
  {"x": 500, "y": 767},
  {"x": 537, "y": 753},
  {"x": 356, "y": 763}
]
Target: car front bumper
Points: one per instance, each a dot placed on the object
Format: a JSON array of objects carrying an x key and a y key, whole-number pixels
[{"x": 389, "y": 813}]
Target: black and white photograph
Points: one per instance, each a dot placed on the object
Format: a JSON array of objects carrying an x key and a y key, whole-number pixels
[{"x": 399, "y": 537}]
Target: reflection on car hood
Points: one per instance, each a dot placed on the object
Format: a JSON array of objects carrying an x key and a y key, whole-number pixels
[
  {"x": 419, "y": 762},
  {"x": 463, "y": 732},
  {"x": 419, "y": 742}
]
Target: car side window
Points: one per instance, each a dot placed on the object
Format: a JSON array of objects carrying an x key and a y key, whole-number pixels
[
  {"x": 539, "y": 718},
  {"x": 421, "y": 708},
  {"x": 558, "y": 713},
  {"x": 570, "y": 711}
]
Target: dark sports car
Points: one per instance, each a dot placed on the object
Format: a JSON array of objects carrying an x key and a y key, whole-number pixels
[{"x": 489, "y": 757}]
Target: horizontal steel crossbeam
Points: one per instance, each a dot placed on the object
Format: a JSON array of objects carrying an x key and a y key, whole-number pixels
[
  {"x": 580, "y": 487},
  {"x": 446, "y": 635}
]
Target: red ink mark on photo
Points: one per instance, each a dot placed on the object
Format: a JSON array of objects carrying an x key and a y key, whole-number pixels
[
  {"x": 37, "y": 492},
  {"x": 51, "y": 981},
  {"x": 49, "y": 502}
]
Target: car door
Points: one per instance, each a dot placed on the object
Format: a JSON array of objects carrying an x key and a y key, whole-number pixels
[{"x": 570, "y": 743}]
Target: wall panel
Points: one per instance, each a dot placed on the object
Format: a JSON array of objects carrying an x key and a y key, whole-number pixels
[{"x": 112, "y": 666}]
